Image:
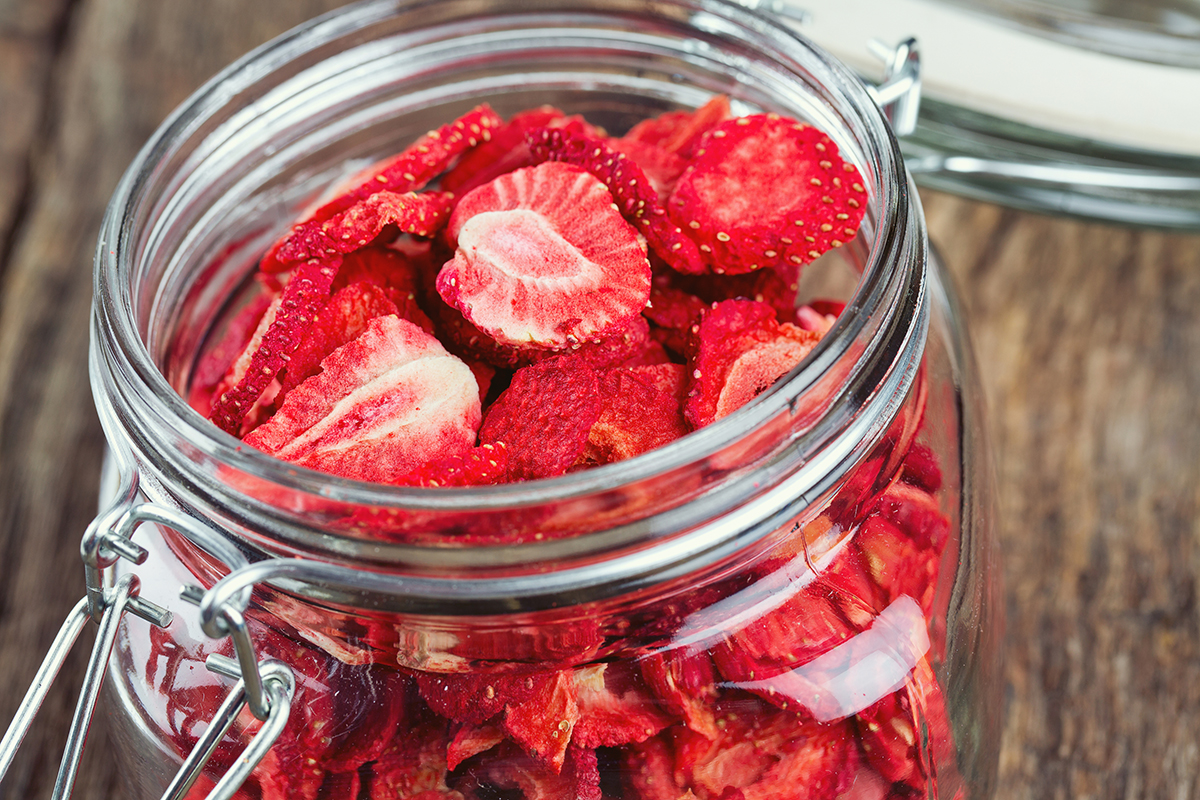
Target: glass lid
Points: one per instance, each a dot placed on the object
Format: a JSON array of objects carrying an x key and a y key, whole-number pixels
[{"x": 1089, "y": 108}]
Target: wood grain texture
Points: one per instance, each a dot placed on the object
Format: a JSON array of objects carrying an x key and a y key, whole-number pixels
[
  {"x": 1089, "y": 344},
  {"x": 1087, "y": 336}
]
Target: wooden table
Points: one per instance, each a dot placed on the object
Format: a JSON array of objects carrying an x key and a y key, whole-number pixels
[{"x": 1088, "y": 338}]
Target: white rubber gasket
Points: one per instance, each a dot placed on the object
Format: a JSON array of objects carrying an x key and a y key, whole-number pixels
[{"x": 978, "y": 64}]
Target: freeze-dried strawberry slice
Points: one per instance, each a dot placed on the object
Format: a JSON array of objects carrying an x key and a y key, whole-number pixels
[
  {"x": 740, "y": 352},
  {"x": 674, "y": 313},
  {"x": 888, "y": 737},
  {"x": 679, "y": 131},
  {"x": 917, "y": 513},
  {"x": 765, "y": 754},
  {"x": 406, "y": 172},
  {"x": 661, "y": 167},
  {"x": 633, "y": 192},
  {"x": 859, "y": 599},
  {"x": 895, "y": 563},
  {"x": 685, "y": 683},
  {"x": 543, "y": 723},
  {"x": 764, "y": 190},
  {"x": 470, "y": 343},
  {"x": 383, "y": 404},
  {"x": 544, "y": 260},
  {"x": 342, "y": 319},
  {"x": 821, "y": 767},
  {"x": 214, "y": 370},
  {"x": 474, "y": 697},
  {"x": 641, "y": 410},
  {"x": 507, "y": 150},
  {"x": 615, "y": 707},
  {"x": 479, "y": 466},
  {"x": 788, "y": 634},
  {"x": 819, "y": 315},
  {"x": 305, "y": 294},
  {"x": 579, "y": 778},
  {"x": 921, "y": 468},
  {"x": 370, "y": 708},
  {"x": 401, "y": 276},
  {"x": 890, "y": 732},
  {"x": 548, "y": 643},
  {"x": 469, "y": 741},
  {"x": 236, "y": 367},
  {"x": 359, "y": 225},
  {"x": 648, "y": 771},
  {"x": 629, "y": 347},
  {"x": 285, "y": 776},
  {"x": 544, "y": 417},
  {"x": 413, "y": 765}
]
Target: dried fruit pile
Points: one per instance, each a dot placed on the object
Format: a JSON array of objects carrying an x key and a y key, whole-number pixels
[
  {"x": 514, "y": 300},
  {"x": 562, "y": 299}
]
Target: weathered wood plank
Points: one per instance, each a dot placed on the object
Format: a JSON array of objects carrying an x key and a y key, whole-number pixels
[
  {"x": 1089, "y": 347},
  {"x": 118, "y": 72}
]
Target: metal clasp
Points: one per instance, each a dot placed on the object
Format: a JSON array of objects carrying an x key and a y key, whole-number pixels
[
  {"x": 266, "y": 687},
  {"x": 899, "y": 94}
]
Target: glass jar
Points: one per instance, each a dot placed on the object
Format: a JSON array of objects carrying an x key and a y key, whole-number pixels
[{"x": 797, "y": 600}]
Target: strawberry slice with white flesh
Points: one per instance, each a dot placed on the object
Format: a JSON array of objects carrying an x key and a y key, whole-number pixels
[
  {"x": 383, "y": 405},
  {"x": 544, "y": 260}
]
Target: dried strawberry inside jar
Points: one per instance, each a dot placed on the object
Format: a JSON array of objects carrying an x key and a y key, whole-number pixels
[{"x": 543, "y": 403}]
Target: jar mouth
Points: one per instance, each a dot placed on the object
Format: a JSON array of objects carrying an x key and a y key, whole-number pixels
[{"x": 213, "y": 160}]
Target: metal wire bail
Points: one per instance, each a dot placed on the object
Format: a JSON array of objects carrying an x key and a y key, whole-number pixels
[{"x": 266, "y": 687}]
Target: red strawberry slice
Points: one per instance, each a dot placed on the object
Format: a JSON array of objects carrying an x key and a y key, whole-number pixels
[
  {"x": 661, "y": 167},
  {"x": 648, "y": 771},
  {"x": 641, "y": 410},
  {"x": 406, "y": 172},
  {"x": 888, "y": 737},
  {"x": 921, "y": 468},
  {"x": 306, "y": 293},
  {"x": 544, "y": 260},
  {"x": 479, "y": 466},
  {"x": 508, "y": 150},
  {"x": 499, "y": 776},
  {"x": 361, "y": 224},
  {"x": 679, "y": 131},
  {"x": 765, "y": 754},
  {"x": 343, "y": 319},
  {"x": 629, "y": 347},
  {"x": 765, "y": 190},
  {"x": 821, "y": 767},
  {"x": 786, "y": 635},
  {"x": 475, "y": 697},
  {"x": 403, "y": 278},
  {"x": 685, "y": 683},
  {"x": 543, "y": 723},
  {"x": 674, "y": 313},
  {"x": 413, "y": 765},
  {"x": 384, "y": 404},
  {"x": 634, "y": 193},
  {"x": 740, "y": 351},
  {"x": 469, "y": 741},
  {"x": 917, "y": 513},
  {"x": 544, "y": 417},
  {"x": 370, "y": 709},
  {"x": 236, "y": 369},
  {"x": 615, "y": 707},
  {"x": 895, "y": 563},
  {"x": 214, "y": 372}
]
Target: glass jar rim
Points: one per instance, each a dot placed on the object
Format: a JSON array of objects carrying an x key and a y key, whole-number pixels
[{"x": 119, "y": 347}]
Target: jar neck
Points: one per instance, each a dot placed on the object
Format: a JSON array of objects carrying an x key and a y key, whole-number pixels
[{"x": 224, "y": 175}]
